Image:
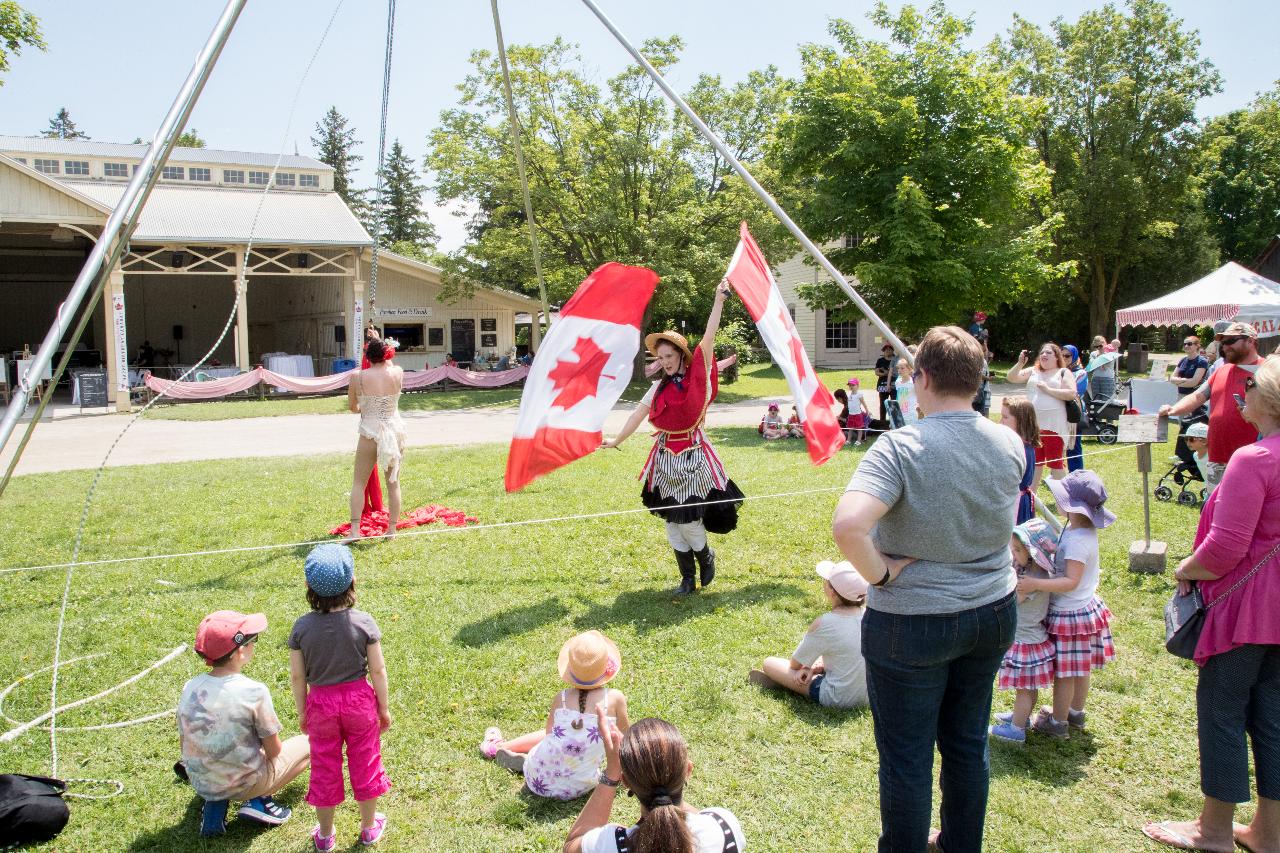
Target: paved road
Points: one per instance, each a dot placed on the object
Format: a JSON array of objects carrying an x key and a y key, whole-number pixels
[{"x": 71, "y": 443}]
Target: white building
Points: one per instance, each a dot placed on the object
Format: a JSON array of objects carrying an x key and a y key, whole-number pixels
[
  {"x": 829, "y": 343},
  {"x": 306, "y": 258}
]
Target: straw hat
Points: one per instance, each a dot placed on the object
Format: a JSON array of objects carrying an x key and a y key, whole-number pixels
[
  {"x": 676, "y": 339},
  {"x": 589, "y": 660}
]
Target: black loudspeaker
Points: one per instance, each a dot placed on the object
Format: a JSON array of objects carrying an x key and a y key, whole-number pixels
[
  {"x": 340, "y": 334},
  {"x": 177, "y": 333}
]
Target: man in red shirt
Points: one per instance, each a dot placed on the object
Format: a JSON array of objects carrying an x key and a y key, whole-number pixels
[{"x": 1228, "y": 431}]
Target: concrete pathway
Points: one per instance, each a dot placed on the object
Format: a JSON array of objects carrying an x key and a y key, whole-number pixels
[{"x": 70, "y": 443}]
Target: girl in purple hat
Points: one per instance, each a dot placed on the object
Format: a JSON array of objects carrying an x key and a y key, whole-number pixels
[{"x": 1079, "y": 622}]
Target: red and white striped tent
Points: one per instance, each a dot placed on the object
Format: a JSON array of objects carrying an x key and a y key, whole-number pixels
[{"x": 1231, "y": 292}]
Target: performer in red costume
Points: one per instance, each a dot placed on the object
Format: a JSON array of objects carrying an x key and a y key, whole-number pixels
[{"x": 685, "y": 483}]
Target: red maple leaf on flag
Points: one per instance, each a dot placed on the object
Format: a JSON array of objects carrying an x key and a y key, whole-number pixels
[
  {"x": 797, "y": 348},
  {"x": 577, "y": 380}
]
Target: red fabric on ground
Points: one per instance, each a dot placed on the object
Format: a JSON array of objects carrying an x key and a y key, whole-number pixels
[{"x": 375, "y": 523}]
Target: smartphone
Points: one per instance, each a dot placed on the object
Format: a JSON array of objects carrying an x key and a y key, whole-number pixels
[
  {"x": 1239, "y": 401},
  {"x": 1024, "y": 355}
]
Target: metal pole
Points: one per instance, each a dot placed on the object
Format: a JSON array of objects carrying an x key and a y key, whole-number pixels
[
  {"x": 124, "y": 218},
  {"x": 524, "y": 183},
  {"x": 773, "y": 205}
]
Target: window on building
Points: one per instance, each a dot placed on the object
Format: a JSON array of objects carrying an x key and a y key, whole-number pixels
[
  {"x": 286, "y": 179},
  {"x": 233, "y": 176},
  {"x": 843, "y": 335},
  {"x": 197, "y": 174},
  {"x": 791, "y": 309},
  {"x": 259, "y": 178},
  {"x": 22, "y": 160},
  {"x": 435, "y": 336},
  {"x": 173, "y": 173},
  {"x": 76, "y": 167},
  {"x": 308, "y": 180},
  {"x": 115, "y": 170},
  {"x": 49, "y": 167},
  {"x": 853, "y": 241},
  {"x": 409, "y": 334}
]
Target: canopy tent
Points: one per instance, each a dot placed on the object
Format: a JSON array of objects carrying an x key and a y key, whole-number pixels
[{"x": 1230, "y": 292}]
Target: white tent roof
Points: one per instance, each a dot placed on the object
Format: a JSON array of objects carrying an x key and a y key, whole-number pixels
[{"x": 1228, "y": 293}]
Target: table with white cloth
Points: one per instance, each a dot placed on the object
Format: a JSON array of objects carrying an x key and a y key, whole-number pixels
[{"x": 290, "y": 365}]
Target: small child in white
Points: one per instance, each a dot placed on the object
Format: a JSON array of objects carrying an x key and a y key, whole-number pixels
[
  {"x": 827, "y": 666},
  {"x": 1197, "y": 438},
  {"x": 772, "y": 427},
  {"x": 1028, "y": 665}
]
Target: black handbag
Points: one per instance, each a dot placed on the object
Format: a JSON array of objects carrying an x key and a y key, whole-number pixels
[
  {"x": 1073, "y": 411},
  {"x": 1184, "y": 614},
  {"x": 31, "y": 808}
]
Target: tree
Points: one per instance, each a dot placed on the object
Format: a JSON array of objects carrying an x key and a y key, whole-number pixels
[
  {"x": 614, "y": 175},
  {"x": 335, "y": 144},
  {"x": 1241, "y": 177},
  {"x": 915, "y": 151},
  {"x": 62, "y": 127},
  {"x": 1119, "y": 133},
  {"x": 190, "y": 139},
  {"x": 400, "y": 202},
  {"x": 18, "y": 28}
]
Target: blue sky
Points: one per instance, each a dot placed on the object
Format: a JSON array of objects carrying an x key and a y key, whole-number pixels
[{"x": 116, "y": 66}]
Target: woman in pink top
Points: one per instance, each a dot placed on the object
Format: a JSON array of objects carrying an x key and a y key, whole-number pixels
[{"x": 1238, "y": 693}]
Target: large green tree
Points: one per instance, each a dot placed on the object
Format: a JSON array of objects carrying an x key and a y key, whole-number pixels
[
  {"x": 400, "y": 203},
  {"x": 18, "y": 28},
  {"x": 62, "y": 127},
  {"x": 335, "y": 143},
  {"x": 915, "y": 149},
  {"x": 1241, "y": 177},
  {"x": 614, "y": 175},
  {"x": 1119, "y": 133},
  {"x": 190, "y": 139}
]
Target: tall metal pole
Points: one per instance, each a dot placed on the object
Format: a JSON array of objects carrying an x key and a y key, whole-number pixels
[
  {"x": 773, "y": 205},
  {"x": 124, "y": 218}
]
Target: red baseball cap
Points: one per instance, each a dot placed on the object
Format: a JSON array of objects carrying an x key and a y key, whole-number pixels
[{"x": 224, "y": 631}]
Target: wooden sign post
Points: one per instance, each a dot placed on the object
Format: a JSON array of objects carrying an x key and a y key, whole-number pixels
[{"x": 1145, "y": 430}]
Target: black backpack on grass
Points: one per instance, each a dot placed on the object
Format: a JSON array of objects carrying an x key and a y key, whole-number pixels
[{"x": 31, "y": 808}]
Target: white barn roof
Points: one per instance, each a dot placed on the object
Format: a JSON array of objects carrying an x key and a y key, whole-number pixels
[
  {"x": 92, "y": 148},
  {"x": 213, "y": 216}
]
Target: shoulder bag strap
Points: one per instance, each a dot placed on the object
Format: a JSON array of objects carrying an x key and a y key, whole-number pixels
[
  {"x": 730, "y": 843},
  {"x": 621, "y": 840},
  {"x": 1244, "y": 579}
]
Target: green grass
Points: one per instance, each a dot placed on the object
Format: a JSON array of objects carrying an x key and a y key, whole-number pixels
[
  {"x": 473, "y": 621},
  {"x": 755, "y": 381}
]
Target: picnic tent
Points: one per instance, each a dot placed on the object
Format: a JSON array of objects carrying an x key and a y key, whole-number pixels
[{"x": 1231, "y": 292}]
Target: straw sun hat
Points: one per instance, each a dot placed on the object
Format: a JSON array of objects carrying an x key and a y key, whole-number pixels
[
  {"x": 676, "y": 339},
  {"x": 589, "y": 660}
]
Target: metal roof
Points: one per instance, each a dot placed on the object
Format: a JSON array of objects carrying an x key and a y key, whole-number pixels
[
  {"x": 92, "y": 148},
  {"x": 216, "y": 216}
]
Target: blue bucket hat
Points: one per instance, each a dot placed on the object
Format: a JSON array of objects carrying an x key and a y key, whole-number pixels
[
  {"x": 330, "y": 568},
  {"x": 1039, "y": 541}
]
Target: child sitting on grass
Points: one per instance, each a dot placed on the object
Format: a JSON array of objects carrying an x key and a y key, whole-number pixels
[
  {"x": 335, "y": 651},
  {"x": 795, "y": 429},
  {"x": 1079, "y": 622},
  {"x": 1028, "y": 665},
  {"x": 771, "y": 426},
  {"x": 563, "y": 760},
  {"x": 827, "y": 666},
  {"x": 230, "y": 734}
]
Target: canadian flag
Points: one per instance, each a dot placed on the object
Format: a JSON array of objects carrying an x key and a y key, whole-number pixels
[
  {"x": 750, "y": 276},
  {"x": 579, "y": 373}
]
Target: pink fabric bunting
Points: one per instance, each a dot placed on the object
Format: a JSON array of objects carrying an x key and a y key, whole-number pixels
[{"x": 413, "y": 380}]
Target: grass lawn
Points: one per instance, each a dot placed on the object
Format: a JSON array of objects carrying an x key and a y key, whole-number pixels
[
  {"x": 754, "y": 381},
  {"x": 473, "y": 621}
]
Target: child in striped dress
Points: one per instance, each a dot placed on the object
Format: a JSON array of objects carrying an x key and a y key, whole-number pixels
[
  {"x": 1028, "y": 665},
  {"x": 1079, "y": 621}
]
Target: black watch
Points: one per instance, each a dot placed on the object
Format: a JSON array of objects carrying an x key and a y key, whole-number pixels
[{"x": 605, "y": 780}]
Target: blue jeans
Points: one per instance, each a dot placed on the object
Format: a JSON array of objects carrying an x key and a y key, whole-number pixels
[{"x": 930, "y": 681}]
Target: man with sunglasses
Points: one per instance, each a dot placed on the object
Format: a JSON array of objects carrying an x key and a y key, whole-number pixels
[{"x": 1228, "y": 430}]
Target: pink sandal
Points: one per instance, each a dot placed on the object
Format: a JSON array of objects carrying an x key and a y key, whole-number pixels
[{"x": 492, "y": 740}]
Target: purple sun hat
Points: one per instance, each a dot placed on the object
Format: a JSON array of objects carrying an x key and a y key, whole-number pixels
[{"x": 1083, "y": 492}]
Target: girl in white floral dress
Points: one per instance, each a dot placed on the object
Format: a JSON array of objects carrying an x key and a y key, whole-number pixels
[{"x": 563, "y": 760}]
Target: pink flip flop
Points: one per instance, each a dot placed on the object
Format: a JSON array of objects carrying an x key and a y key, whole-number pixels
[{"x": 492, "y": 740}]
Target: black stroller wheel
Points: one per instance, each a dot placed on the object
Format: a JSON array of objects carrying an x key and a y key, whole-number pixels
[
  {"x": 1187, "y": 498},
  {"x": 1164, "y": 493},
  {"x": 1107, "y": 435}
]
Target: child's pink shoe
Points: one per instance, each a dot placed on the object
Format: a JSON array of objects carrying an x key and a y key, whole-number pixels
[
  {"x": 492, "y": 740},
  {"x": 371, "y": 835},
  {"x": 323, "y": 844}
]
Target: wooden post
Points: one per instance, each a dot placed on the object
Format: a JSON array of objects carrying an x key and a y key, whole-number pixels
[
  {"x": 1147, "y": 555},
  {"x": 116, "y": 349},
  {"x": 242, "y": 313}
]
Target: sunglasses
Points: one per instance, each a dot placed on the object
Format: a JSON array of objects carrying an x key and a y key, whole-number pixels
[
  {"x": 1226, "y": 342},
  {"x": 1190, "y": 344}
]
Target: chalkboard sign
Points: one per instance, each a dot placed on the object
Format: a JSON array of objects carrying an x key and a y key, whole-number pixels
[
  {"x": 489, "y": 341},
  {"x": 93, "y": 388}
]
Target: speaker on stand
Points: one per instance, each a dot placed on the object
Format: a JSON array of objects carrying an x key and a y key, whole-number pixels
[{"x": 177, "y": 341}]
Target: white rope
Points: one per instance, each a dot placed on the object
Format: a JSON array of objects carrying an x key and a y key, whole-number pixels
[{"x": 382, "y": 149}]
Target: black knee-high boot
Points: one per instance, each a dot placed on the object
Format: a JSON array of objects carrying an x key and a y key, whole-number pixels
[
  {"x": 706, "y": 564},
  {"x": 685, "y": 561}
]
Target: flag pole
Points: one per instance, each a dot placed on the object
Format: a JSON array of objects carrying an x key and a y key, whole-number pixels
[{"x": 760, "y": 191}]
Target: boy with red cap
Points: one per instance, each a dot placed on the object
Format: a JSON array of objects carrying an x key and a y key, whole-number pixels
[{"x": 231, "y": 748}]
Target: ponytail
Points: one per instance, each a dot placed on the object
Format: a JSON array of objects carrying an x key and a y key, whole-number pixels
[
  {"x": 663, "y": 830},
  {"x": 654, "y": 759}
]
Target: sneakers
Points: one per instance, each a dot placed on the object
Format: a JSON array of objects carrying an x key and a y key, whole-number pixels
[
  {"x": 180, "y": 770},
  {"x": 373, "y": 834},
  {"x": 213, "y": 818},
  {"x": 1076, "y": 719},
  {"x": 1047, "y": 725},
  {"x": 322, "y": 844},
  {"x": 265, "y": 810},
  {"x": 492, "y": 740},
  {"x": 1004, "y": 717},
  {"x": 513, "y": 761},
  {"x": 1008, "y": 732}
]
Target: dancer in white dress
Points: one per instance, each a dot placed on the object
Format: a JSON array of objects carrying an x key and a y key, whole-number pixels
[{"x": 375, "y": 394}]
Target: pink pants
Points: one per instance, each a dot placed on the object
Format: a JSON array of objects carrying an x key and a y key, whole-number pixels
[{"x": 337, "y": 714}]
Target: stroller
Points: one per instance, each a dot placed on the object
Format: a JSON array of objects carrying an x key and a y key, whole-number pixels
[
  {"x": 1183, "y": 472},
  {"x": 1102, "y": 417}
]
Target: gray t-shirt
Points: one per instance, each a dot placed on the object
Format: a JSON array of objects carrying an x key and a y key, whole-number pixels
[
  {"x": 837, "y": 639},
  {"x": 334, "y": 645},
  {"x": 951, "y": 483},
  {"x": 1032, "y": 611}
]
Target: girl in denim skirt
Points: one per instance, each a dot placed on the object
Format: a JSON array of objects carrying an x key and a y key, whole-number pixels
[{"x": 1079, "y": 621}]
